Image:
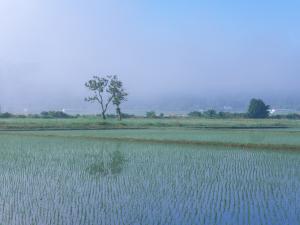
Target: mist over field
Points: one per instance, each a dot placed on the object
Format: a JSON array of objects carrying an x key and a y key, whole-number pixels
[{"x": 171, "y": 56}]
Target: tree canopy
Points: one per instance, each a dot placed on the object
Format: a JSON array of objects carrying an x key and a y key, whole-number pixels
[
  {"x": 106, "y": 90},
  {"x": 258, "y": 109},
  {"x": 118, "y": 94}
]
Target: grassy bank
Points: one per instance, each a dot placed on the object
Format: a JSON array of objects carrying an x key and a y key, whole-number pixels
[
  {"x": 97, "y": 123},
  {"x": 274, "y": 139}
]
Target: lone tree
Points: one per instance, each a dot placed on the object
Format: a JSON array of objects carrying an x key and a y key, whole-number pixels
[
  {"x": 118, "y": 94},
  {"x": 106, "y": 90},
  {"x": 99, "y": 87},
  {"x": 258, "y": 109}
]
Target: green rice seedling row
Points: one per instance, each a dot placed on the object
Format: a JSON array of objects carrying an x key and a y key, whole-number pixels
[{"x": 61, "y": 180}]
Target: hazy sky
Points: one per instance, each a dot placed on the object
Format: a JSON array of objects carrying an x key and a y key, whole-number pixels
[{"x": 49, "y": 48}]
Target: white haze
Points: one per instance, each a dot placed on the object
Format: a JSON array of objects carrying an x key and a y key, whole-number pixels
[{"x": 48, "y": 49}]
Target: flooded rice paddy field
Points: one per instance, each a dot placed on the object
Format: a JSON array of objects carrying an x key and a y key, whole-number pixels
[{"x": 59, "y": 180}]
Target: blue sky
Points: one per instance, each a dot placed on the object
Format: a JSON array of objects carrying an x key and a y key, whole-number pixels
[{"x": 159, "y": 48}]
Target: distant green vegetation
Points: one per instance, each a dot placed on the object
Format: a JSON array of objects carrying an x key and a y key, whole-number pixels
[
  {"x": 43, "y": 115},
  {"x": 54, "y": 114},
  {"x": 213, "y": 114},
  {"x": 91, "y": 122},
  {"x": 256, "y": 117},
  {"x": 209, "y": 114}
]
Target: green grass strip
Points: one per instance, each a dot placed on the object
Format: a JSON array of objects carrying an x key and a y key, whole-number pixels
[{"x": 168, "y": 141}]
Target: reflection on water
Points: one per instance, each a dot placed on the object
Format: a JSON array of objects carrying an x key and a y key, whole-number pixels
[
  {"x": 117, "y": 162},
  {"x": 113, "y": 166}
]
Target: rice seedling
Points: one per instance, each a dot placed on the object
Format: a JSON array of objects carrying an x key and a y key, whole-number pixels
[{"x": 76, "y": 181}]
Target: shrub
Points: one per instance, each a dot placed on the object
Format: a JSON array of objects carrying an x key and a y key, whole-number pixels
[
  {"x": 210, "y": 113},
  {"x": 151, "y": 114},
  {"x": 195, "y": 114},
  {"x": 6, "y": 115},
  {"x": 294, "y": 116},
  {"x": 54, "y": 114}
]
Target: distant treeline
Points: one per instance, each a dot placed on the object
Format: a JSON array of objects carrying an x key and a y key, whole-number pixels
[
  {"x": 45, "y": 115},
  {"x": 209, "y": 114},
  {"x": 214, "y": 114},
  {"x": 228, "y": 115},
  {"x": 57, "y": 115}
]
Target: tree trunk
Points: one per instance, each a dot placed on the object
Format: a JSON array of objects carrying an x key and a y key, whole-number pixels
[
  {"x": 103, "y": 115},
  {"x": 119, "y": 113}
]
